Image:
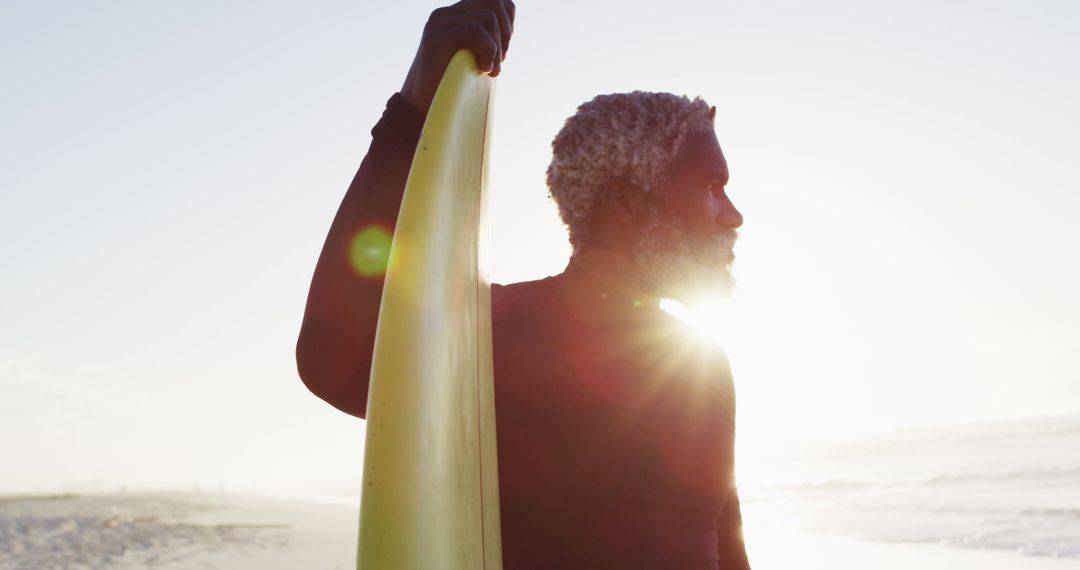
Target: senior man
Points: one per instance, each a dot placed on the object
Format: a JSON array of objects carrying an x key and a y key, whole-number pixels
[{"x": 615, "y": 428}]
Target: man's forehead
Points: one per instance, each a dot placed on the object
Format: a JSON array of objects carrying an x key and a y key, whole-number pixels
[{"x": 700, "y": 154}]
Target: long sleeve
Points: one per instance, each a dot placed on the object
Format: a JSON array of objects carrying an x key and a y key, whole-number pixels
[
  {"x": 337, "y": 338},
  {"x": 730, "y": 536}
]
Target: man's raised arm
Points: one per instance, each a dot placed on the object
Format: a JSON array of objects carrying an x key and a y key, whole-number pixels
[{"x": 336, "y": 342}]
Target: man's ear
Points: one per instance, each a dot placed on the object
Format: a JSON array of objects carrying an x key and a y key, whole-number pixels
[{"x": 625, "y": 201}]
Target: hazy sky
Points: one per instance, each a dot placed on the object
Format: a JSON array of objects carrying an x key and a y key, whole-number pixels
[{"x": 907, "y": 172}]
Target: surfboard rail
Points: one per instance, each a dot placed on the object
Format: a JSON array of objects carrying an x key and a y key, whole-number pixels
[{"x": 430, "y": 495}]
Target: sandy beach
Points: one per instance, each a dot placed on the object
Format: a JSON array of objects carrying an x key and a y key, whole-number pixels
[
  {"x": 178, "y": 531},
  {"x": 188, "y": 531}
]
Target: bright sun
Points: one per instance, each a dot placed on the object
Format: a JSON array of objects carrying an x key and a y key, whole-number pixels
[
  {"x": 760, "y": 380},
  {"x": 711, "y": 318}
]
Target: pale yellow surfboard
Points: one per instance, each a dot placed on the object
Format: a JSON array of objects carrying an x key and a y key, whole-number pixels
[{"x": 430, "y": 495}]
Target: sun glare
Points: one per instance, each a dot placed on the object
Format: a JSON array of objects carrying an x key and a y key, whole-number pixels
[
  {"x": 745, "y": 341},
  {"x": 712, "y": 318}
]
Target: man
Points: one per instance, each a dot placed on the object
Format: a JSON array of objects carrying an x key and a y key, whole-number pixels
[{"x": 615, "y": 427}]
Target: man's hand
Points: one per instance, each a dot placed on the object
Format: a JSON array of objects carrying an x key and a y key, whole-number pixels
[{"x": 484, "y": 26}]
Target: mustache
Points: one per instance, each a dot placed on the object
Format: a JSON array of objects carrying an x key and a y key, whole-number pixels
[
  {"x": 724, "y": 242},
  {"x": 727, "y": 236}
]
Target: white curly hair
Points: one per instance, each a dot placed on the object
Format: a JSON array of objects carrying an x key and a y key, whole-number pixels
[{"x": 628, "y": 136}]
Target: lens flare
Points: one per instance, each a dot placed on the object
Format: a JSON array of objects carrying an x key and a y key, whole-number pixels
[{"x": 369, "y": 251}]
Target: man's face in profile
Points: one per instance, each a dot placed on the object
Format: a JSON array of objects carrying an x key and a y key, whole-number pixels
[{"x": 685, "y": 250}]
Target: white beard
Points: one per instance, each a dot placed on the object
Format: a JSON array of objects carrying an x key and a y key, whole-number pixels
[{"x": 675, "y": 262}]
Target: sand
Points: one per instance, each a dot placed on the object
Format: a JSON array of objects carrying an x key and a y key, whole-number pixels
[
  {"x": 177, "y": 531},
  {"x": 187, "y": 531},
  {"x": 773, "y": 549}
]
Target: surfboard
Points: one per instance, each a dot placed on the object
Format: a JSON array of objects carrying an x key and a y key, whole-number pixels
[{"x": 430, "y": 497}]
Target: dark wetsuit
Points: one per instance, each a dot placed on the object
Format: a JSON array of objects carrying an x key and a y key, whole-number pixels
[{"x": 615, "y": 440}]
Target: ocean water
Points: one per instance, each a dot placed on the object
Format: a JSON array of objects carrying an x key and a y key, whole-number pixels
[{"x": 1009, "y": 485}]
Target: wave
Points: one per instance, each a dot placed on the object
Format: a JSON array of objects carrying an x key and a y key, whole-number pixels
[
  {"x": 1063, "y": 513},
  {"x": 830, "y": 485},
  {"x": 1035, "y": 475},
  {"x": 1008, "y": 476}
]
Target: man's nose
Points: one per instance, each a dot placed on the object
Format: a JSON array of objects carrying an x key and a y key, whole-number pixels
[{"x": 728, "y": 217}]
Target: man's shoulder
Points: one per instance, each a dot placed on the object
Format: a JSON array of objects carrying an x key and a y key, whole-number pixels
[{"x": 523, "y": 298}]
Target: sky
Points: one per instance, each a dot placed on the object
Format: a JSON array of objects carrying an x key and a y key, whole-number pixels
[{"x": 168, "y": 172}]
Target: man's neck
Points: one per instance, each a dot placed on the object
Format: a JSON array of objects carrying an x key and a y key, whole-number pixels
[{"x": 603, "y": 287}]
